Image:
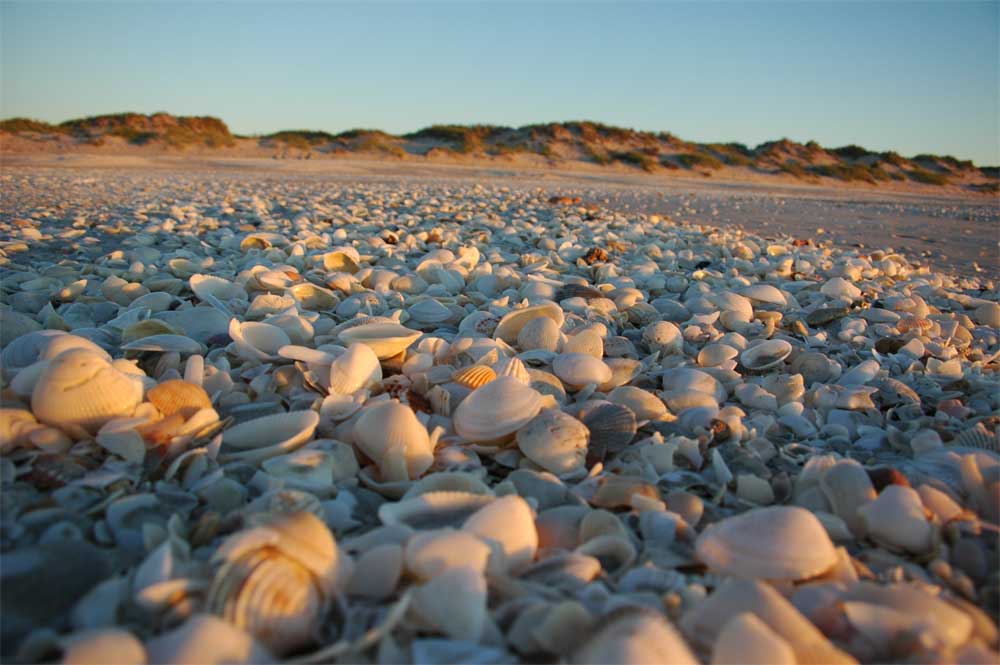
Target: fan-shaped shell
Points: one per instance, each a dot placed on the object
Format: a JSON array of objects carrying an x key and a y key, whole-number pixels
[
  {"x": 766, "y": 355},
  {"x": 178, "y": 396},
  {"x": 80, "y": 388},
  {"x": 474, "y": 376},
  {"x": 578, "y": 291},
  {"x": 385, "y": 339},
  {"x": 555, "y": 441},
  {"x": 779, "y": 543},
  {"x": 496, "y": 410},
  {"x": 204, "y": 286},
  {"x": 539, "y": 333},
  {"x": 612, "y": 427},
  {"x": 514, "y": 368},
  {"x": 395, "y": 440},
  {"x": 356, "y": 368},
  {"x": 511, "y": 324},
  {"x": 272, "y": 435}
]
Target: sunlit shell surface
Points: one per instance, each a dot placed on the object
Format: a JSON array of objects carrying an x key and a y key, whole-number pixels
[
  {"x": 496, "y": 410},
  {"x": 395, "y": 440}
]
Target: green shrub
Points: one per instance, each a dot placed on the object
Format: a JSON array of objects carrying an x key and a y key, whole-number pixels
[
  {"x": 597, "y": 154},
  {"x": 794, "y": 169},
  {"x": 18, "y": 125},
  {"x": 851, "y": 152},
  {"x": 926, "y": 177},
  {"x": 643, "y": 160},
  {"x": 697, "y": 159}
]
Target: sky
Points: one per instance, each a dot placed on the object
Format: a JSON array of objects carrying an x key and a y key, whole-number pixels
[{"x": 904, "y": 76}]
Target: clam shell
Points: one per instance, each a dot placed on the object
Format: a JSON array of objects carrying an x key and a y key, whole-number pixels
[
  {"x": 766, "y": 355},
  {"x": 80, "y": 388},
  {"x": 775, "y": 543},
  {"x": 430, "y": 553},
  {"x": 474, "y": 376},
  {"x": 496, "y": 410},
  {"x": 612, "y": 427},
  {"x": 632, "y": 637},
  {"x": 342, "y": 259},
  {"x": 165, "y": 344},
  {"x": 576, "y": 370},
  {"x": 555, "y": 441},
  {"x": 356, "y": 369},
  {"x": 312, "y": 297},
  {"x": 257, "y": 341},
  {"x": 147, "y": 328},
  {"x": 266, "y": 437},
  {"x": 178, "y": 396},
  {"x": 210, "y": 286},
  {"x": 395, "y": 440},
  {"x": 385, "y": 339},
  {"x": 433, "y": 510},
  {"x": 508, "y": 523},
  {"x": 454, "y": 603},
  {"x": 642, "y": 403},
  {"x": 539, "y": 333},
  {"x": 511, "y": 324},
  {"x": 896, "y": 520}
]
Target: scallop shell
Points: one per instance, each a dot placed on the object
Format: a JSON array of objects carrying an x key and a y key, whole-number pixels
[
  {"x": 385, "y": 339},
  {"x": 555, "y": 441},
  {"x": 474, "y": 376},
  {"x": 766, "y": 355},
  {"x": 576, "y": 370},
  {"x": 272, "y": 435},
  {"x": 514, "y": 368},
  {"x": 511, "y": 324},
  {"x": 395, "y": 440},
  {"x": 578, "y": 291},
  {"x": 775, "y": 543},
  {"x": 612, "y": 427},
  {"x": 274, "y": 581},
  {"x": 178, "y": 396},
  {"x": 496, "y": 410},
  {"x": 356, "y": 369},
  {"x": 257, "y": 341},
  {"x": 80, "y": 388},
  {"x": 209, "y": 286}
]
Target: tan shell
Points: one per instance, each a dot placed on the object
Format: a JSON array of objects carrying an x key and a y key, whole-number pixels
[
  {"x": 496, "y": 410},
  {"x": 147, "y": 328},
  {"x": 179, "y": 396},
  {"x": 314, "y": 298},
  {"x": 512, "y": 322},
  {"x": 266, "y": 437},
  {"x": 205, "y": 286},
  {"x": 356, "y": 368},
  {"x": 433, "y": 510},
  {"x": 474, "y": 376},
  {"x": 80, "y": 388},
  {"x": 747, "y": 639},
  {"x": 454, "y": 603},
  {"x": 342, "y": 259},
  {"x": 896, "y": 520},
  {"x": 430, "y": 553},
  {"x": 778, "y": 542},
  {"x": 385, "y": 339},
  {"x": 395, "y": 440},
  {"x": 555, "y": 441},
  {"x": 633, "y": 637},
  {"x": 766, "y": 355},
  {"x": 508, "y": 523}
]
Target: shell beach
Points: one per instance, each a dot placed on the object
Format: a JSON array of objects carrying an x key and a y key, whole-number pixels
[{"x": 309, "y": 420}]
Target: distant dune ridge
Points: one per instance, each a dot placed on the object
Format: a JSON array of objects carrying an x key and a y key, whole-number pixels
[{"x": 569, "y": 144}]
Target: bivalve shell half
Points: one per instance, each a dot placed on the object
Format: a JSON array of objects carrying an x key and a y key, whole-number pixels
[
  {"x": 509, "y": 525},
  {"x": 513, "y": 322},
  {"x": 272, "y": 435},
  {"x": 80, "y": 388},
  {"x": 179, "y": 396},
  {"x": 257, "y": 341},
  {"x": 474, "y": 376},
  {"x": 385, "y": 339},
  {"x": 775, "y": 543},
  {"x": 766, "y": 355},
  {"x": 496, "y": 411},
  {"x": 356, "y": 369},
  {"x": 433, "y": 510},
  {"x": 555, "y": 441},
  {"x": 205, "y": 286},
  {"x": 395, "y": 440},
  {"x": 576, "y": 370},
  {"x": 634, "y": 637}
]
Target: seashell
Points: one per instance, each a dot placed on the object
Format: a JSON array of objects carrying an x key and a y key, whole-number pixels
[
  {"x": 616, "y": 491},
  {"x": 257, "y": 341},
  {"x": 205, "y": 639},
  {"x": 988, "y": 315},
  {"x": 766, "y": 355},
  {"x": 395, "y": 440},
  {"x": 540, "y": 333},
  {"x": 268, "y": 304},
  {"x": 261, "y": 567},
  {"x": 847, "y": 488},
  {"x": 554, "y": 441},
  {"x": 514, "y": 368},
  {"x": 79, "y": 388},
  {"x": 978, "y": 436},
  {"x": 103, "y": 646},
  {"x": 712, "y": 355},
  {"x": 356, "y": 369},
  {"x": 341, "y": 259},
  {"x": 896, "y": 520},
  {"x": 511, "y": 324},
  {"x": 14, "y": 324},
  {"x": 633, "y": 637},
  {"x": 43, "y": 345},
  {"x": 497, "y": 410},
  {"x": 838, "y": 287},
  {"x": 385, "y": 339},
  {"x": 262, "y": 240},
  {"x": 147, "y": 328},
  {"x": 430, "y": 553},
  {"x": 312, "y": 297},
  {"x": 747, "y": 639},
  {"x": 579, "y": 369},
  {"x": 775, "y": 543},
  {"x": 454, "y": 603},
  {"x": 377, "y": 572},
  {"x": 825, "y": 315},
  {"x": 765, "y": 293},
  {"x": 209, "y": 286},
  {"x": 612, "y": 427},
  {"x": 272, "y": 435},
  {"x": 474, "y": 376},
  {"x": 815, "y": 367},
  {"x": 588, "y": 342},
  {"x": 429, "y": 311},
  {"x": 433, "y": 510},
  {"x": 642, "y": 403},
  {"x": 663, "y": 336},
  {"x": 584, "y": 291},
  {"x": 165, "y": 344},
  {"x": 199, "y": 323},
  {"x": 508, "y": 524},
  {"x": 687, "y": 380},
  {"x": 178, "y": 396}
]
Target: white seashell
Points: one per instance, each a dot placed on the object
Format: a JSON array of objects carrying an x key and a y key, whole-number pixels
[
  {"x": 540, "y": 333},
  {"x": 514, "y": 368},
  {"x": 847, "y": 488},
  {"x": 165, "y": 344},
  {"x": 765, "y": 293},
  {"x": 766, "y": 355},
  {"x": 356, "y": 369},
  {"x": 511, "y": 324},
  {"x": 377, "y": 572},
  {"x": 341, "y": 259},
  {"x": 257, "y": 341},
  {"x": 430, "y": 553},
  {"x": 838, "y": 287},
  {"x": 209, "y": 286},
  {"x": 555, "y": 441},
  {"x": 644, "y": 404},
  {"x": 313, "y": 298},
  {"x": 896, "y": 520},
  {"x": 268, "y": 304},
  {"x": 395, "y": 440},
  {"x": 385, "y": 339},
  {"x": 496, "y": 411},
  {"x": 508, "y": 524},
  {"x": 454, "y": 603},
  {"x": 433, "y": 510},
  {"x": 747, "y": 639},
  {"x": 712, "y": 355},
  {"x": 80, "y": 388},
  {"x": 663, "y": 336},
  {"x": 579, "y": 369},
  {"x": 988, "y": 315},
  {"x": 266, "y": 437},
  {"x": 635, "y": 637},
  {"x": 779, "y": 543},
  {"x": 206, "y": 639},
  {"x": 687, "y": 380},
  {"x": 103, "y": 646}
]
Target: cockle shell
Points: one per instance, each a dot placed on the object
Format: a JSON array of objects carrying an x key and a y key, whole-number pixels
[
  {"x": 395, "y": 440},
  {"x": 540, "y": 333},
  {"x": 178, "y": 396},
  {"x": 555, "y": 441},
  {"x": 511, "y": 324},
  {"x": 356, "y": 369},
  {"x": 257, "y": 341},
  {"x": 266, "y": 437},
  {"x": 512, "y": 367},
  {"x": 80, "y": 388},
  {"x": 896, "y": 520},
  {"x": 496, "y": 410},
  {"x": 274, "y": 580},
  {"x": 474, "y": 376},
  {"x": 778, "y": 543},
  {"x": 766, "y": 355},
  {"x": 385, "y": 339},
  {"x": 612, "y": 427},
  {"x": 509, "y": 524}
]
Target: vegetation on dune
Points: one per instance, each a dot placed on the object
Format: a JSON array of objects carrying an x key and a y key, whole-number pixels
[
  {"x": 927, "y": 177},
  {"x": 18, "y": 125},
  {"x": 597, "y": 154},
  {"x": 643, "y": 160},
  {"x": 851, "y": 152},
  {"x": 303, "y": 139},
  {"x": 794, "y": 169},
  {"x": 693, "y": 160}
]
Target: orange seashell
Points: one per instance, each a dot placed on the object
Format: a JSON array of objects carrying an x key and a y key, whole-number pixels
[
  {"x": 178, "y": 396},
  {"x": 474, "y": 376},
  {"x": 910, "y": 323},
  {"x": 162, "y": 431}
]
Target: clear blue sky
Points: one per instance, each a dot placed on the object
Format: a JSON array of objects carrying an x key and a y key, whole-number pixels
[{"x": 912, "y": 77}]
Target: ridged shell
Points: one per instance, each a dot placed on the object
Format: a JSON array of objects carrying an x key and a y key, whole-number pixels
[
  {"x": 272, "y": 435},
  {"x": 907, "y": 324},
  {"x": 80, "y": 388},
  {"x": 204, "y": 286},
  {"x": 385, "y": 339},
  {"x": 395, "y": 440},
  {"x": 578, "y": 291},
  {"x": 777, "y": 543},
  {"x": 496, "y": 410},
  {"x": 274, "y": 581},
  {"x": 539, "y": 333},
  {"x": 514, "y": 368},
  {"x": 474, "y": 376},
  {"x": 979, "y": 437},
  {"x": 178, "y": 396},
  {"x": 766, "y": 355},
  {"x": 257, "y": 341},
  {"x": 512, "y": 322},
  {"x": 612, "y": 427},
  {"x": 356, "y": 368},
  {"x": 555, "y": 441},
  {"x": 433, "y": 510}
]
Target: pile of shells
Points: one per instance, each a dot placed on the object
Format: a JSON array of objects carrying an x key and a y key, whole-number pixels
[{"x": 442, "y": 423}]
